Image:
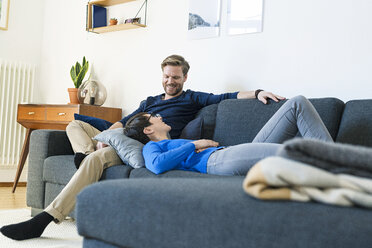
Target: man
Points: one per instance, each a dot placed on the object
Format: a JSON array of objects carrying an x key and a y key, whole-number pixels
[{"x": 177, "y": 107}]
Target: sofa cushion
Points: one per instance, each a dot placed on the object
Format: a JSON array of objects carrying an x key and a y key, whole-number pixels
[
  {"x": 116, "y": 172},
  {"x": 145, "y": 173},
  {"x": 93, "y": 243},
  {"x": 208, "y": 115},
  {"x": 60, "y": 169},
  {"x": 193, "y": 130},
  {"x": 210, "y": 212},
  {"x": 249, "y": 116},
  {"x": 128, "y": 149},
  {"x": 355, "y": 127}
]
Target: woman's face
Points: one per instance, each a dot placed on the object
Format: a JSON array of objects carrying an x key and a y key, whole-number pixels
[{"x": 158, "y": 125}]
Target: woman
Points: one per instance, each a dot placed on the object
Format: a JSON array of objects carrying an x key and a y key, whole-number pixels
[{"x": 162, "y": 154}]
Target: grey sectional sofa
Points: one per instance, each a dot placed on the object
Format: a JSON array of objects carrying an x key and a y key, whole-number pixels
[{"x": 187, "y": 209}]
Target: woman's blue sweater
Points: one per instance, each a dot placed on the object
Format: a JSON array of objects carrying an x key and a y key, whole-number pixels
[{"x": 178, "y": 154}]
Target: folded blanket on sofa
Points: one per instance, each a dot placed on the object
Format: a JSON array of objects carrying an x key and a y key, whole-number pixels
[
  {"x": 333, "y": 157},
  {"x": 277, "y": 178}
]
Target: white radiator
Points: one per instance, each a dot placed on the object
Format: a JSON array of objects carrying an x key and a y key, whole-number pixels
[{"x": 16, "y": 86}]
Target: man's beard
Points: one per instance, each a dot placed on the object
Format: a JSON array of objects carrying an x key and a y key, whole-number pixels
[{"x": 175, "y": 91}]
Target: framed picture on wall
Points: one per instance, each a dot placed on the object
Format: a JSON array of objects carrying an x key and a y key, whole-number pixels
[
  {"x": 4, "y": 12},
  {"x": 244, "y": 16},
  {"x": 204, "y": 18}
]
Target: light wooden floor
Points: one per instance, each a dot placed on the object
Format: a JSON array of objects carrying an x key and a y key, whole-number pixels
[{"x": 8, "y": 200}]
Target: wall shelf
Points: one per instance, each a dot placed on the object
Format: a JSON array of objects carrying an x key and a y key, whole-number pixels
[
  {"x": 118, "y": 27},
  {"x": 106, "y": 3},
  {"x": 112, "y": 28}
]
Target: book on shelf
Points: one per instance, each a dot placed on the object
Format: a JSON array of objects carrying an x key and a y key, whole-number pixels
[{"x": 99, "y": 15}]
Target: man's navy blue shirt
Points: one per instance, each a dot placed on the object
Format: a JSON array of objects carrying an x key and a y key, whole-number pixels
[{"x": 180, "y": 110}]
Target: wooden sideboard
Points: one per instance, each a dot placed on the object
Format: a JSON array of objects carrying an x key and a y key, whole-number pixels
[{"x": 55, "y": 116}]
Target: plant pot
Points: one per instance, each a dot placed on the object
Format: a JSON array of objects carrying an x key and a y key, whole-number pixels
[
  {"x": 73, "y": 93},
  {"x": 113, "y": 22}
]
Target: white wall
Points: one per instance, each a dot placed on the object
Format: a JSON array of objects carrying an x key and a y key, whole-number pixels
[
  {"x": 316, "y": 48},
  {"x": 22, "y": 41}
]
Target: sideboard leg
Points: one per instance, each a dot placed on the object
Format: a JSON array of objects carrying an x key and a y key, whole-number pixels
[{"x": 22, "y": 159}]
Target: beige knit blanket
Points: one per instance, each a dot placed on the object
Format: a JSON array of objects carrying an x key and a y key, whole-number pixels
[{"x": 277, "y": 178}]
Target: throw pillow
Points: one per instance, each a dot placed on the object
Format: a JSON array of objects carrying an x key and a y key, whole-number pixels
[
  {"x": 193, "y": 130},
  {"x": 98, "y": 123},
  {"x": 128, "y": 149}
]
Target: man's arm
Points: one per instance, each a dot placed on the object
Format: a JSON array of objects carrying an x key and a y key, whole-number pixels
[
  {"x": 246, "y": 95},
  {"x": 205, "y": 99},
  {"x": 262, "y": 96}
]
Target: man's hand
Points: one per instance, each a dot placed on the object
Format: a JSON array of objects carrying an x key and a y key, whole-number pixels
[
  {"x": 264, "y": 95},
  {"x": 202, "y": 144},
  {"x": 116, "y": 125},
  {"x": 100, "y": 145}
]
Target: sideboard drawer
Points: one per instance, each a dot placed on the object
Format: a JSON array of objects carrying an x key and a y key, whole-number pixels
[
  {"x": 60, "y": 113},
  {"x": 57, "y": 116},
  {"x": 31, "y": 113}
]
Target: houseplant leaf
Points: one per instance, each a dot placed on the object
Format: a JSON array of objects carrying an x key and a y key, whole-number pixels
[
  {"x": 81, "y": 75},
  {"x": 73, "y": 75},
  {"x": 78, "y": 72}
]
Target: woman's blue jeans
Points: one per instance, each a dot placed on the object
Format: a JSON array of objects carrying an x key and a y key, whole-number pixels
[{"x": 296, "y": 115}]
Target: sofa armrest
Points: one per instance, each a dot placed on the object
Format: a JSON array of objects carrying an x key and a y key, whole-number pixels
[{"x": 43, "y": 144}]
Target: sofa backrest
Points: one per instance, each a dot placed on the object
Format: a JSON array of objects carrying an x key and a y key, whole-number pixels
[
  {"x": 237, "y": 121},
  {"x": 356, "y": 123}
]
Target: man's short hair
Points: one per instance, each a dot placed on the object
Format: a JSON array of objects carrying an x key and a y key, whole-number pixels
[
  {"x": 176, "y": 60},
  {"x": 135, "y": 126}
]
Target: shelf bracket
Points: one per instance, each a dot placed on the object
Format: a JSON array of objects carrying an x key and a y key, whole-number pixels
[{"x": 144, "y": 2}]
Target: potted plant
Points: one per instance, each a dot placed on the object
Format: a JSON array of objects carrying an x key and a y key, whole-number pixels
[
  {"x": 113, "y": 21},
  {"x": 77, "y": 73}
]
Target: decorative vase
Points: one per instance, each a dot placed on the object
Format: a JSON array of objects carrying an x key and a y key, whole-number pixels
[
  {"x": 92, "y": 92},
  {"x": 73, "y": 93}
]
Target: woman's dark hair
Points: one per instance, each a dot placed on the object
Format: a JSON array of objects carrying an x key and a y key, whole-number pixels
[{"x": 135, "y": 125}]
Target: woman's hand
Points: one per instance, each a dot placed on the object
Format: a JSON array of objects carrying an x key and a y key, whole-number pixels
[{"x": 202, "y": 144}]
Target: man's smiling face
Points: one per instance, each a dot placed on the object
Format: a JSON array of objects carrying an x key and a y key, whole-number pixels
[{"x": 173, "y": 80}]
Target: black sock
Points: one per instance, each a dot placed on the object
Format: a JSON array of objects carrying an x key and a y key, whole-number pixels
[
  {"x": 79, "y": 158},
  {"x": 32, "y": 228}
]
